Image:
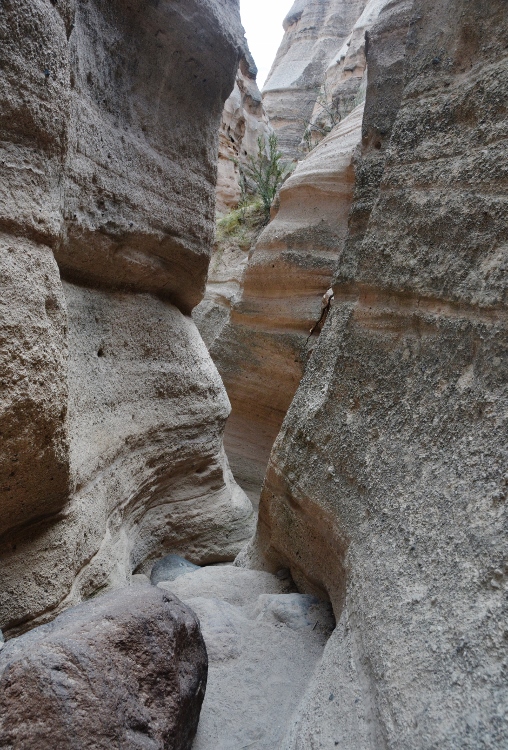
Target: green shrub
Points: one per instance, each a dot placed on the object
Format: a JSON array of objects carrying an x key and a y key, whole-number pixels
[{"x": 267, "y": 171}]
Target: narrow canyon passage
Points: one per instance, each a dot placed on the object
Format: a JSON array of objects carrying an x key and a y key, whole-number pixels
[{"x": 225, "y": 525}]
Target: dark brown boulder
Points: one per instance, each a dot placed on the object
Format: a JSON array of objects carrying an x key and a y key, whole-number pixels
[{"x": 126, "y": 671}]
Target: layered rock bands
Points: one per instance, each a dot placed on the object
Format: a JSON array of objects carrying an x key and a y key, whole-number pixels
[
  {"x": 386, "y": 488},
  {"x": 320, "y": 62},
  {"x": 258, "y": 310},
  {"x": 244, "y": 122},
  {"x": 111, "y": 410}
]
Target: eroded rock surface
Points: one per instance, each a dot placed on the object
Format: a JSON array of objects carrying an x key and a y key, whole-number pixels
[
  {"x": 258, "y": 311},
  {"x": 386, "y": 487},
  {"x": 127, "y": 670},
  {"x": 343, "y": 87},
  {"x": 264, "y": 641},
  {"x": 112, "y": 411},
  {"x": 315, "y": 30},
  {"x": 243, "y": 121},
  {"x": 263, "y": 348}
]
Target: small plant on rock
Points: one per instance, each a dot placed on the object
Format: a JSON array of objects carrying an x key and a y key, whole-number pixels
[
  {"x": 241, "y": 226},
  {"x": 267, "y": 171}
]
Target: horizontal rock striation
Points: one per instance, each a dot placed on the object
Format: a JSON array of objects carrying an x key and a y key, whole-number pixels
[
  {"x": 244, "y": 121},
  {"x": 344, "y": 83},
  {"x": 112, "y": 412},
  {"x": 315, "y": 30},
  {"x": 93, "y": 679},
  {"x": 386, "y": 488},
  {"x": 258, "y": 310},
  {"x": 262, "y": 346}
]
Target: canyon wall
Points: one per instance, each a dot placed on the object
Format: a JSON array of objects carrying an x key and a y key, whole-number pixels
[
  {"x": 259, "y": 308},
  {"x": 386, "y": 488},
  {"x": 243, "y": 121},
  {"x": 263, "y": 348},
  {"x": 315, "y": 32},
  {"x": 111, "y": 410},
  {"x": 345, "y": 78}
]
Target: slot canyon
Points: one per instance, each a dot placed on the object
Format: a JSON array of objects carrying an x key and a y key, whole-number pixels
[{"x": 253, "y": 392}]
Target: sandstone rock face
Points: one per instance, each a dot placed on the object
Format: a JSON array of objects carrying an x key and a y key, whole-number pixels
[
  {"x": 34, "y": 471},
  {"x": 139, "y": 203},
  {"x": 263, "y": 641},
  {"x": 386, "y": 488},
  {"x": 345, "y": 79},
  {"x": 33, "y": 136},
  {"x": 111, "y": 410},
  {"x": 60, "y": 686},
  {"x": 243, "y": 121},
  {"x": 315, "y": 30},
  {"x": 262, "y": 348},
  {"x": 258, "y": 310}
]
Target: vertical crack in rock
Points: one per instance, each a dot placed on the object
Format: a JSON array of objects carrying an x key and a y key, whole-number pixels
[
  {"x": 258, "y": 309},
  {"x": 244, "y": 121}
]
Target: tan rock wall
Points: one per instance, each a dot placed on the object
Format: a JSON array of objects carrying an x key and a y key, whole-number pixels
[
  {"x": 262, "y": 347},
  {"x": 258, "y": 310},
  {"x": 344, "y": 83},
  {"x": 112, "y": 411},
  {"x": 386, "y": 488},
  {"x": 314, "y": 32},
  {"x": 243, "y": 121},
  {"x": 131, "y": 149},
  {"x": 34, "y": 106}
]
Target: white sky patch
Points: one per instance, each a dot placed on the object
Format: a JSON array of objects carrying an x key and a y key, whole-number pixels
[{"x": 262, "y": 20}]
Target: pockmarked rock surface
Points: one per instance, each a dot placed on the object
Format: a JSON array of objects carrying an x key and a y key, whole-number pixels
[
  {"x": 315, "y": 30},
  {"x": 127, "y": 670},
  {"x": 111, "y": 410},
  {"x": 264, "y": 641},
  {"x": 244, "y": 121},
  {"x": 262, "y": 345},
  {"x": 387, "y": 484},
  {"x": 142, "y": 153}
]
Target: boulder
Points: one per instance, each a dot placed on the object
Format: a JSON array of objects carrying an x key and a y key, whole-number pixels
[
  {"x": 127, "y": 670},
  {"x": 296, "y": 611}
]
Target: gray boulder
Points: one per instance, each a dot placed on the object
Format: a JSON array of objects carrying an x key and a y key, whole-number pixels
[
  {"x": 126, "y": 671},
  {"x": 170, "y": 567}
]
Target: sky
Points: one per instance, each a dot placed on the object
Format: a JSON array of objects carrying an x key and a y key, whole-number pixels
[{"x": 262, "y": 20}]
